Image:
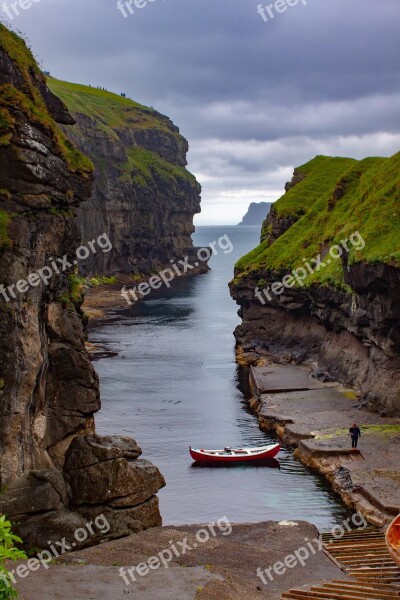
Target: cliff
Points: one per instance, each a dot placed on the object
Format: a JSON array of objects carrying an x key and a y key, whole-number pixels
[
  {"x": 49, "y": 391},
  {"x": 256, "y": 214},
  {"x": 142, "y": 189},
  {"x": 335, "y": 236}
]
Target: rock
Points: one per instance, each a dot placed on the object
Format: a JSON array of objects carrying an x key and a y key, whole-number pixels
[
  {"x": 34, "y": 492},
  {"x": 131, "y": 482},
  {"x": 49, "y": 390},
  {"x": 53, "y": 527},
  {"x": 352, "y": 337},
  {"x": 297, "y": 178},
  {"x": 89, "y": 450},
  {"x": 321, "y": 376},
  {"x": 135, "y": 208},
  {"x": 274, "y": 226},
  {"x": 125, "y": 521},
  {"x": 55, "y": 106},
  {"x": 40, "y": 400},
  {"x": 148, "y": 481}
]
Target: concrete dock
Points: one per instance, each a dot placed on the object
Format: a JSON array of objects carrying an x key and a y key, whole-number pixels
[{"x": 315, "y": 418}]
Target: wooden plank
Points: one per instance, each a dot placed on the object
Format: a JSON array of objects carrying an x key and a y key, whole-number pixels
[
  {"x": 352, "y": 582},
  {"x": 367, "y": 592},
  {"x": 364, "y": 556},
  {"x": 290, "y": 595},
  {"x": 331, "y": 595}
]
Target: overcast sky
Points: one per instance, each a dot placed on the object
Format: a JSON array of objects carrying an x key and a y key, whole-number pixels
[{"x": 253, "y": 98}]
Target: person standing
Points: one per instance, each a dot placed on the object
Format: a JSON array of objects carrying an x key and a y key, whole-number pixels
[{"x": 355, "y": 434}]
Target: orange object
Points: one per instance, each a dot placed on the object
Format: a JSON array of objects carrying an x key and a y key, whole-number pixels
[{"x": 393, "y": 539}]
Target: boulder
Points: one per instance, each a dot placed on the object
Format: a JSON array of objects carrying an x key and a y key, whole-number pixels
[
  {"x": 130, "y": 482},
  {"x": 53, "y": 527},
  {"x": 34, "y": 492},
  {"x": 126, "y": 521},
  {"x": 88, "y": 450}
]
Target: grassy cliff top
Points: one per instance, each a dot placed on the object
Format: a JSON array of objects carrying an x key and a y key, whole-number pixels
[
  {"x": 27, "y": 98},
  {"x": 335, "y": 198},
  {"x": 18, "y": 51},
  {"x": 111, "y": 114},
  {"x": 111, "y": 111}
]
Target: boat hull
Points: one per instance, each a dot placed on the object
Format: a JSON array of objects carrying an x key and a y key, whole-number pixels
[
  {"x": 393, "y": 539},
  {"x": 202, "y": 456}
]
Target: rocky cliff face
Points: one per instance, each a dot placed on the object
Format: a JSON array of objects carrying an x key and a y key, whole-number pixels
[
  {"x": 344, "y": 317},
  {"x": 48, "y": 388},
  {"x": 142, "y": 190}
]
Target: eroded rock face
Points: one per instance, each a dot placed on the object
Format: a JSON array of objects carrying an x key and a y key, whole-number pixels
[
  {"x": 49, "y": 390},
  {"x": 86, "y": 451},
  {"x": 34, "y": 492},
  {"x": 40, "y": 529},
  {"x": 126, "y": 521},
  {"x": 115, "y": 480},
  {"x": 354, "y": 337},
  {"x": 136, "y": 207},
  {"x": 102, "y": 480},
  {"x": 107, "y": 470}
]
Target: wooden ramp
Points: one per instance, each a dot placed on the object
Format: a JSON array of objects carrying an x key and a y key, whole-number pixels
[{"x": 363, "y": 555}]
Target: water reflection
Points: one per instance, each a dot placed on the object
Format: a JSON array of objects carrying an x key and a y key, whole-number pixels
[{"x": 270, "y": 463}]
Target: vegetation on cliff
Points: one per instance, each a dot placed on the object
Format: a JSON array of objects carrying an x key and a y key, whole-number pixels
[
  {"x": 142, "y": 188},
  {"x": 113, "y": 114},
  {"x": 110, "y": 110},
  {"x": 43, "y": 182},
  {"x": 330, "y": 199},
  {"x": 4, "y": 221},
  {"x": 28, "y": 99}
]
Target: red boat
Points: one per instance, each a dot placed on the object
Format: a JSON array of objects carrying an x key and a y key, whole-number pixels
[
  {"x": 229, "y": 455},
  {"x": 393, "y": 539}
]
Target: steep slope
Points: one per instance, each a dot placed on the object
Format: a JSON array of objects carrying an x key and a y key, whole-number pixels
[
  {"x": 48, "y": 387},
  {"x": 142, "y": 189},
  {"x": 342, "y": 308}
]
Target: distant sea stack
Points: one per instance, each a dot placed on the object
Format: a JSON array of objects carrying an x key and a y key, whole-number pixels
[
  {"x": 144, "y": 198},
  {"x": 338, "y": 226},
  {"x": 256, "y": 213}
]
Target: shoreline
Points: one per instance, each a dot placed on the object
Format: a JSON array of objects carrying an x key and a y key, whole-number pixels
[
  {"x": 313, "y": 417},
  {"x": 101, "y": 300},
  {"x": 323, "y": 451}
]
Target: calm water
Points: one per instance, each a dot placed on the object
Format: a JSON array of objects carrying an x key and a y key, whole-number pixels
[{"x": 174, "y": 383}]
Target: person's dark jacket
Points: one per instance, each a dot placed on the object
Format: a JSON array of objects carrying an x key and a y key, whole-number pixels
[{"x": 355, "y": 432}]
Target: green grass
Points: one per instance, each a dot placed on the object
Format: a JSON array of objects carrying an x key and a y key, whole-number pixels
[
  {"x": 4, "y": 222},
  {"x": 369, "y": 203},
  {"x": 385, "y": 430},
  {"x": 112, "y": 114},
  {"x": 109, "y": 110},
  {"x": 320, "y": 174},
  {"x": 96, "y": 281},
  {"x": 74, "y": 296},
  {"x": 30, "y": 102},
  {"x": 143, "y": 166}
]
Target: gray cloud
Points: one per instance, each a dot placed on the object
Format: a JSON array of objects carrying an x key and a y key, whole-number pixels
[{"x": 253, "y": 98}]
